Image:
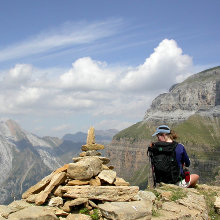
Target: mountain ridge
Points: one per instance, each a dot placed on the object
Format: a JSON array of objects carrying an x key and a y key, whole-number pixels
[{"x": 192, "y": 109}]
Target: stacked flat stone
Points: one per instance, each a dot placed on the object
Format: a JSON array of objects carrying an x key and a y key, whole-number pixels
[{"x": 88, "y": 182}]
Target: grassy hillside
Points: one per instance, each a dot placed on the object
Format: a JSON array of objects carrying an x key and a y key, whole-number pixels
[
  {"x": 200, "y": 135},
  {"x": 196, "y": 130}
]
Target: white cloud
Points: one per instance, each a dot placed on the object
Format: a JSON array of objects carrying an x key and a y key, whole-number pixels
[
  {"x": 160, "y": 70},
  {"x": 94, "y": 88},
  {"x": 87, "y": 74},
  {"x": 28, "y": 96},
  {"x": 19, "y": 75},
  {"x": 71, "y": 103},
  {"x": 63, "y": 37}
]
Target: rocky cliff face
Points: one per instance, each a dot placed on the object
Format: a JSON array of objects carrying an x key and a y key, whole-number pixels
[
  {"x": 192, "y": 109},
  {"x": 200, "y": 92}
]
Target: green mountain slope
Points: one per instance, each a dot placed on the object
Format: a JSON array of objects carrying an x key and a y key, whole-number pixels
[{"x": 200, "y": 136}]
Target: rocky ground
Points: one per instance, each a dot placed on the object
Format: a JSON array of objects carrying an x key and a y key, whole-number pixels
[
  {"x": 165, "y": 202},
  {"x": 89, "y": 189}
]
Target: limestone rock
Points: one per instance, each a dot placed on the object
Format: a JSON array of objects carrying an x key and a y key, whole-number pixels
[
  {"x": 198, "y": 92},
  {"x": 171, "y": 209},
  {"x": 140, "y": 210},
  {"x": 6, "y": 210},
  {"x": 93, "y": 204},
  {"x": 19, "y": 204},
  {"x": 38, "y": 187},
  {"x": 104, "y": 160},
  {"x": 145, "y": 195},
  {"x": 92, "y": 147},
  {"x": 121, "y": 182},
  {"x": 85, "y": 168},
  {"x": 95, "y": 182},
  {"x": 57, "y": 179},
  {"x": 56, "y": 201},
  {"x": 108, "y": 176},
  {"x": 31, "y": 198},
  {"x": 105, "y": 193},
  {"x": 68, "y": 204},
  {"x": 194, "y": 201},
  {"x": 61, "y": 169},
  {"x": 91, "y": 136},
  {"x": 77, "y": 182},
  {"x": 78, "y": 217},
  {"x": 34, "y": 212},
  {"x": 217, "y": 205},
  {"x": 60, "y": 212},
  {"x": 90, "y": 153}
]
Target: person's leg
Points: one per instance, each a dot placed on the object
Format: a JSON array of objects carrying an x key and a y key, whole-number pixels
[{"x": 193, "y": 180}]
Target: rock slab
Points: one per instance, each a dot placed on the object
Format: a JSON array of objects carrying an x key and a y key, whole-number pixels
[
  {"x": 140, "y": 210},
  {"x": 104, "y": 193}
]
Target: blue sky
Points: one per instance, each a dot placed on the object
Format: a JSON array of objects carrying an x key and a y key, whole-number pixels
[{"x": 67, "y": 65}]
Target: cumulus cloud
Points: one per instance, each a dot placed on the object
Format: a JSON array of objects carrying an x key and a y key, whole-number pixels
[
  {"x": 160, "y": 70},
  {"x": 87, "y": 74},
  {"x": 114, "y": 95},
  {"x": 18, "y": 75}
]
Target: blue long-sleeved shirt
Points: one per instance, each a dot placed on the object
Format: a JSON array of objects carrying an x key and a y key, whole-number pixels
[{"x": 182, "y": 157}]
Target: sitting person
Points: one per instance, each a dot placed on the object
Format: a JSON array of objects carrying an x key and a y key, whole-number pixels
[{"x": 168, "y": 158}]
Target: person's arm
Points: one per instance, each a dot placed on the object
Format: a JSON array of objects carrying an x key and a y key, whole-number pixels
[{"x": 186, "y": 159}]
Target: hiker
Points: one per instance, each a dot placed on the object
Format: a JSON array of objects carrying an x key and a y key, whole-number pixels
[{"x": 168, "y": 159}]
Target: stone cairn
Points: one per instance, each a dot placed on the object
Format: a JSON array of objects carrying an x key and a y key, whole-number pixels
[{"x": 87, "y": 183}]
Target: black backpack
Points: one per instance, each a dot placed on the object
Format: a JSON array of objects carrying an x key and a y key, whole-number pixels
[{"x": 164, "y": 164}]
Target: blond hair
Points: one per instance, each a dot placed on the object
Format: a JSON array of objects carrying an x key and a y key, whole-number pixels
[{"x": 172, "y": 135}]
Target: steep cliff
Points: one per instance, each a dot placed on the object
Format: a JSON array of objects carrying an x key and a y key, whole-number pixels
[
  {"x": 200, "y": 92},
  {"x": 192, "y": 109}
]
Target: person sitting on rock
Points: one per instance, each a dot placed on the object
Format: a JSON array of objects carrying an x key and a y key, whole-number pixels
[{"x": 168, "y": 159}]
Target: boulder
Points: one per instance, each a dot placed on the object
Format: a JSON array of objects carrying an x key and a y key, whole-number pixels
[
  {"x": 34, "y": 212},
  {"x": 108, "y": 176},
  {"x": 140, "y": 210},
  {"x": 85, "y": 169},
  {"x": 105, "y": 193}
]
